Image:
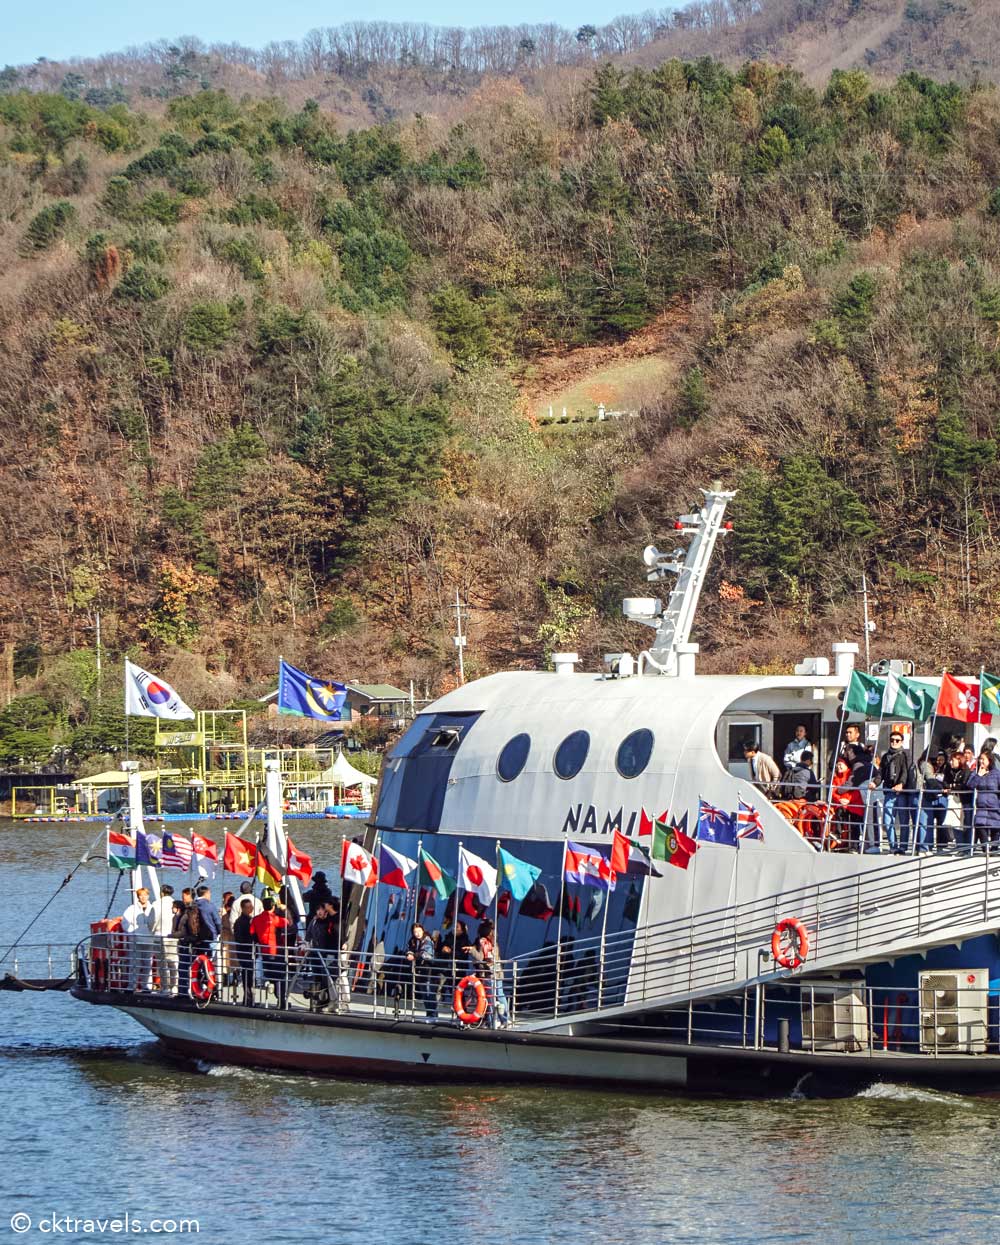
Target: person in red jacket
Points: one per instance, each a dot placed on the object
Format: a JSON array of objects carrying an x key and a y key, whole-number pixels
[{"x": 264, "y": 928}]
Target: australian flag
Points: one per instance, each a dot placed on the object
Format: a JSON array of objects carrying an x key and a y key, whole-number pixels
[
  {"x": 748, "y": 823},
  {"x": 715, "y": 826},
  {"x": 301, "y": 694}
]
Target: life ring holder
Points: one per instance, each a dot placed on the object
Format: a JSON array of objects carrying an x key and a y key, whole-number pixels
[
  {"x": 458, "y": 1002},
  {"x": 203, "y": 979},
  {"x": 793, "y": 956}
]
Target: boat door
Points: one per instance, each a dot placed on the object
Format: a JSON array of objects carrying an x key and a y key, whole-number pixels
[
  {"x": 784, "y": 732},
  {"x": 731, "y": 733}
]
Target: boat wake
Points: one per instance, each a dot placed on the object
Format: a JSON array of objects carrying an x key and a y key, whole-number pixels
[{"x": 889, "y": 1092}]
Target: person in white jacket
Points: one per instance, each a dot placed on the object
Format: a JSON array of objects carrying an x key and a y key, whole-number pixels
[
  {"x": 795, "y": 747},
  {"x": 161, "y": 926},
  {"x": 136, "y": 926}
]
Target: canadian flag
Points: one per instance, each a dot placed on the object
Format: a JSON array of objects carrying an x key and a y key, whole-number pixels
[
  {"x": 357, "y": 865},
  {"x": 475, "y": 875}
]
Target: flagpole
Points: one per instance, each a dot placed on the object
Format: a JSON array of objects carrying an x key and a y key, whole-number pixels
[
  {"x": 930, "y": 745},
  {"x": 833, "y": 769},
  {"x": 454, "y": 923},
  {"x": 562, "y": 900},
  {"x": 604, "y": 930}
]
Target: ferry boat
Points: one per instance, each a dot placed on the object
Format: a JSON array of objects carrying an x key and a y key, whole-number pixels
[{"x": 758, "y": 966}]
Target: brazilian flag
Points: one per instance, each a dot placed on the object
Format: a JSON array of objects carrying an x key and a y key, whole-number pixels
[{"x": 989, "y": 694}]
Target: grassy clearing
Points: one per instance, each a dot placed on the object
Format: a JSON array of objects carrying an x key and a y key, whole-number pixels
[{"x": 621, "y": 386}]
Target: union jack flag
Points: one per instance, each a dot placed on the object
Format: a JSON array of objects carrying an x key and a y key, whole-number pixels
[
  {"x": 748, "y": 823},
  {"x": 715, "y": 826}
]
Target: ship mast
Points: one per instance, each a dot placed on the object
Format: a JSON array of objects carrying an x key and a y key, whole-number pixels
[{"x": 673, "y": 624}]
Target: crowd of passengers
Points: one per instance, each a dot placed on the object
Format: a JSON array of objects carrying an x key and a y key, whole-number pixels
[
  {"x": 947, "y": 800},
  {"x": 260, "y": 947}
]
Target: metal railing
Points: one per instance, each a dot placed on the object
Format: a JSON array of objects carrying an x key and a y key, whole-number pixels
[
  {"x": 937, "y": 1017},
  {"x": 38, "y": 961}
]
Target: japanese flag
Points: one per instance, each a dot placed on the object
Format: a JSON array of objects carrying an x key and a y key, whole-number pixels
[
  {"x": 356, "y": 865},
  {"x": 475, "y": 875}
]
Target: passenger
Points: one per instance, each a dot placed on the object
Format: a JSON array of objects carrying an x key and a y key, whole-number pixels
[
  {"x": 795, "y": 748},
  {"x": 799, "y": 781},
  {"x": 956, "y": 779},
  {"x": 931, "y": 776},
  {"x": 321, "y": 934},
  {"x": 420, "y": 957},
  {"x": 246, "y": 892},
  {"x": 136, "y": 923},
  {"x": 985, "y": 786},
  {"x": 211, "y": 919},
  {"x": 486, "y": 955},
  {"x": 319, "y": 893},
  {"x": 848, "y": 804},
  {"x": 970, "y": 760},
  {"x": 187, "y": 931},
  {"x": 764, "y": 774},
  {"x": 161, "y": 926},
  {"x": 892, "y": 773},
  {"x": 265, "y": 928},
  {"x": 224, "y": 962},
  {"x": 243, "y": 946},
  {"x": 860, "y": 761}
]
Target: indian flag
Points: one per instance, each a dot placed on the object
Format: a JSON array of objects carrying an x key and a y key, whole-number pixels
[{"x": 121, "y": 851}]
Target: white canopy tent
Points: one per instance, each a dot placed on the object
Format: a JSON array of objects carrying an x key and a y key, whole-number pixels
[{"x": 343, "y": 774}]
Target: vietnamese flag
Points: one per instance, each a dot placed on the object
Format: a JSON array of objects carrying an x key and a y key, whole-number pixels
[
  {"x": 299, "y": 864},
  {"x": 620, "y": 851},
  {"x": 959, "y": 699},
  {"x": 239, "y": 856}
]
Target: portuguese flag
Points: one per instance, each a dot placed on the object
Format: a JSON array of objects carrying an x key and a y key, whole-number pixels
[
  {"x": 121, "y": 851},
  {"x": 431, "y": 874},
  {"x": 672, "y": 845}
]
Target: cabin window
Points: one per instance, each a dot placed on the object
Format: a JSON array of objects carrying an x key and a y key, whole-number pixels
[
  {"x": 447, "y": 739},
  {"x": 634, "y": 752},
  {"x": 571, "y": 754},
  {"x": 512, "y": 758}
]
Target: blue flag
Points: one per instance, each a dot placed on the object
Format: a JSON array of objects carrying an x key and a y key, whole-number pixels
[
  {"x": 301, "y": 694},
  {"x": 148, "y": 848},
  {"x": 715, "y": 826},
  {"x": 517, "y": 876}
]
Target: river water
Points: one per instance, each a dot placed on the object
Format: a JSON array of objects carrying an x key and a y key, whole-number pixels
[{"x": 97, "y": 1123}]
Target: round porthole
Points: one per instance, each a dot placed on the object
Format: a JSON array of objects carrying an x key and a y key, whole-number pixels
[
  {"x": 571, "y": 754},
  {"x": 634, "y": 752},
  {"x": 513, "y": 756}
]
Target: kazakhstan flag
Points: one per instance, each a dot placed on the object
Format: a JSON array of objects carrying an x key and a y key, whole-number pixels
[
  {"x": 517, "y": 876},
  {"x": 300, "y": 693}
]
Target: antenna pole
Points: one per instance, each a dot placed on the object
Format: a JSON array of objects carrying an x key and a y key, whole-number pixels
[
  {"x": 459, "y": 638},
  {"x": 868, "y": 625}
]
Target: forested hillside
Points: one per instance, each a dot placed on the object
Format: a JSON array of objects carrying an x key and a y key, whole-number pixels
[{"x": 261, "y": 375}]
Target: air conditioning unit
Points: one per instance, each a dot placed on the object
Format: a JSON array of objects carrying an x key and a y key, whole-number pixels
[
  {"x": 953, "y": 1011},
  {"x": 834, "y": 1016}
]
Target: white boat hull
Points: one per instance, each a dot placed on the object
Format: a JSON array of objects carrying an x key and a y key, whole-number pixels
[{"x": 355, "y": 1049}]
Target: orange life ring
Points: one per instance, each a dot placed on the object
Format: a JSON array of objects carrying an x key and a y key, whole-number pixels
[
  {"x": 203, "y": 980},
  {"x": 795, "y": 955},
  {"x": 471, "y": 982}
]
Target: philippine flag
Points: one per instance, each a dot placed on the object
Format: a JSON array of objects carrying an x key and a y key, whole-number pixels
[
  {"x": 148, "y": 697},
  {"x": 394, "y": 868},
  {"x": 477, "y": 876}
]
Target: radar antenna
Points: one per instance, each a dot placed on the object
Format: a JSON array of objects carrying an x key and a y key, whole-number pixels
[{"x": 673, "y": 625}]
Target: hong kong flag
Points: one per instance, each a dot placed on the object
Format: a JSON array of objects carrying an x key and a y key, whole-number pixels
[
  {"x": 959, "y": 699},
  {"x": 239, "y": 856}
]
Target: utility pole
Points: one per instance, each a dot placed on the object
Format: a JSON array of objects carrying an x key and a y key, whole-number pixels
[
  {"x": 459, "y": 638},
  {"x": 97, "y": 641},
  {"x": 869, "y": 625}
]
